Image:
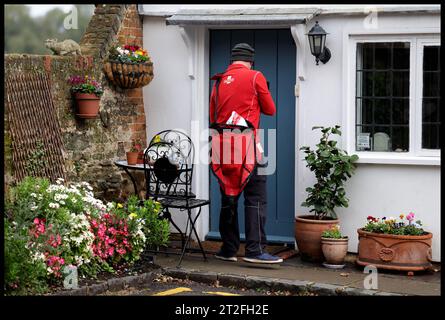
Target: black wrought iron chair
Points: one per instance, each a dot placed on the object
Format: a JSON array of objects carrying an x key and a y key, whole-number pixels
[{"x": 168, "y": 168}]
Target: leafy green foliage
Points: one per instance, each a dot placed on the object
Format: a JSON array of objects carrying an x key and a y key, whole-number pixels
[
  {"x": 332, "y": 166},
  {"x": 23, "y": 275},
  {"x": 333, "y": 233},
  {"x": 392, "y": 226},
  {"x": 156, "y": 229}
]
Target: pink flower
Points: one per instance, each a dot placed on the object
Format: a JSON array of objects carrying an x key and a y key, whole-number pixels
[{"x": 410, "y": 216}]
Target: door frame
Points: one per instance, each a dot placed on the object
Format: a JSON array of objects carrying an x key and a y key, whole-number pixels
[{"x": 197, "y": 40}]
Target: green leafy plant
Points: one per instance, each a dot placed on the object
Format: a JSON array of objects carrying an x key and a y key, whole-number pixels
[
  {"x": 332, "y": 166},
  {"x": 155, "y": 228},
  {"x": 136, "y": 145},
  {"x": 405, "y": 225},
  {"x": 35, "y": 161},
  {"x": 333, "y": 233},
  {"x": 23, "y": 274},
  {"x": 127, "y": 54},
  {"x": 85, "y": 84}
]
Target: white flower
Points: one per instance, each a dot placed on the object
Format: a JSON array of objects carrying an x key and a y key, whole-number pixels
[
  {"x": 33, "y": 208},
  {"x": 33, "y": 195},
  {"x": 54, "y": 205},
  {"x": 62, "y": 202}
]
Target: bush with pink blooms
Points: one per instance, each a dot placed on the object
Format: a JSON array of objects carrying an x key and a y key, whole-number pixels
[{"x": 58, "y": 225}]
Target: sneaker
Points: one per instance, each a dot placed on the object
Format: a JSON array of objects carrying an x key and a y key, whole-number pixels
[
  {"x": 220, "y": 256},
  {"x": 264, "y": 258}
]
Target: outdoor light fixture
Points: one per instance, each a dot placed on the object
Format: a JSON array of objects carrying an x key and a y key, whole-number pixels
[{"x": 317, "y": 40}]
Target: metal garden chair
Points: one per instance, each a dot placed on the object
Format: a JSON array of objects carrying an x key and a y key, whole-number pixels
[{"x": 168, "y": 168}]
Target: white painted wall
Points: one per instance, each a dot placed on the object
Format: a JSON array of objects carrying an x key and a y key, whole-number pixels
[
  {"x": 167, "y": 99},
  {"x": 375, "y": 189}
]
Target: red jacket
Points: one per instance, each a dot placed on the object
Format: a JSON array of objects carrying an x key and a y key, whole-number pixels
[{"x": 242, "y": 90}]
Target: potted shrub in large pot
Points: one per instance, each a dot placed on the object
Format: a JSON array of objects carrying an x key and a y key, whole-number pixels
[
  {"x": 332, "y": 166},
  {"x": 395, "y": 244},
  {"x": 86, "y": 92}
]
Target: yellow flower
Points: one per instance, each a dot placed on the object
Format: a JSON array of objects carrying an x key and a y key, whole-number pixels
[
  {"x": 133, "y": 215},
  {"x": 402, "y": 216},
  {"x": 119, "y": 205}
]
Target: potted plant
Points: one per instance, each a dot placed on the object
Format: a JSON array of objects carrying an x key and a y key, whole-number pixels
[
  {"x": 140, "y": 153},
  {"x": 332, "y": 166},
  {"x": 395, "y": 244},
  {"x": 334, "y": 246},
  {"x": 128, "y": 66},
  {"x": 133, "y": 154},
  {"x": 86, "y": 92}
]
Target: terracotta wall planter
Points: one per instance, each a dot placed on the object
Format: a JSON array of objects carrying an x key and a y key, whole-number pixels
[
  {"x": 129, "y": 75},
  {"x": 394, "y": 252},
  {"x": 132, "y": 158},
  {"x": 308, "y": 236},
  {"x": 87, "y": 105},
  {"x": 334, "y": 250}
]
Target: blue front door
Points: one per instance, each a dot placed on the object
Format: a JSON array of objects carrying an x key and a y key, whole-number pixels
[{"x": 275, "y": 57}]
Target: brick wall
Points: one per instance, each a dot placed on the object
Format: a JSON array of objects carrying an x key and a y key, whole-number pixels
[{"x": 91, "y": 146}]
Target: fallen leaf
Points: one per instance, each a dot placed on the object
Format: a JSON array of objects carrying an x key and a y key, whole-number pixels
[{"x": 344, "y": 274}]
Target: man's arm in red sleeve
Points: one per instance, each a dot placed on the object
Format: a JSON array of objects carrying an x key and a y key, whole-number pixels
[
  {"x": 264, "y": 97},
  {"x": 212, "y": 105}
]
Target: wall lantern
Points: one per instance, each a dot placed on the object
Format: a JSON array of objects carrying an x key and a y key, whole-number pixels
[{"x": 317, "y": 40}]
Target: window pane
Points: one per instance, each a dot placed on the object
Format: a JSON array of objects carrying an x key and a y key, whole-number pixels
[
  {"x": 364, "y": 110},
  {"x": 364, "y": 83},
  {"x": 382, "y": 104},
  {"x": 431, "y": 58},
  {"x": 400, "y": 111},
  {"x": 401, "y": 55},
  {"x": 430, "y": 110},
  {"x": 383, "y": 56},
  {"x": 431, "y": 98},
  {"x": 400, "y": 139},
  {"x": 430, "y": 84},
  {"x": 400, "y": 84},
  {"x": 365, "y": 57},
  {"x": 382, "y": 111},
  {"x": 382, "y": 83},
  {"x": 430, "y": 137}
]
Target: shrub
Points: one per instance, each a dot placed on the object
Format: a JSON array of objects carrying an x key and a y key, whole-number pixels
[
  {"x": 332, "y": 167},
  {"x": 23, "y": 273}
]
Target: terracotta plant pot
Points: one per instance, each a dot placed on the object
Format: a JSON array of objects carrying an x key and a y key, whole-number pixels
[
  {"x": 394, "y": 252},
  {"x": 87, "y": 105},
  {"x": 129, "y": 75},
  {"x": 132, "y": 158},
  {"x": 140, "y": 158},
  {"x": 334, "y": 250},
  {"x": 308, "y": 232}
]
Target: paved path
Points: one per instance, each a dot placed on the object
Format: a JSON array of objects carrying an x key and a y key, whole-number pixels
[{"x": 294, "y": 269}]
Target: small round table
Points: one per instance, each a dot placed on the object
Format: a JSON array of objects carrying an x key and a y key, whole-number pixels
[{"x": 124, "y": 165}]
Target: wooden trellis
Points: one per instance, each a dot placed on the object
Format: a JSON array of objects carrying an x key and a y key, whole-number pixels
[{"x": 37, "y": 147}]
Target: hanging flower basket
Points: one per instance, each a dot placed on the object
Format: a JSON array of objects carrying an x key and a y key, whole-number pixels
[
  {"x": 128, "y": 67},
  {"x": 129, "y": 75}
]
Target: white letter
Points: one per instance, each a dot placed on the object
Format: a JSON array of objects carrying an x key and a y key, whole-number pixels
[
  {"x": 71, "y": 21},
  {"x": 371, "y": 280}
]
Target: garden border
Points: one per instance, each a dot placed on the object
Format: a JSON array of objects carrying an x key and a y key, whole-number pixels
[{"x": 238, "y": 281}]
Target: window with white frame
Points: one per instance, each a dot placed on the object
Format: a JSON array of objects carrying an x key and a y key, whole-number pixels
[{"x": 397, "y": 95}]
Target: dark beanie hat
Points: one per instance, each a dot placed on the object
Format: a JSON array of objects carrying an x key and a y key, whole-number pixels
[{"x": 242, "y": 52}]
